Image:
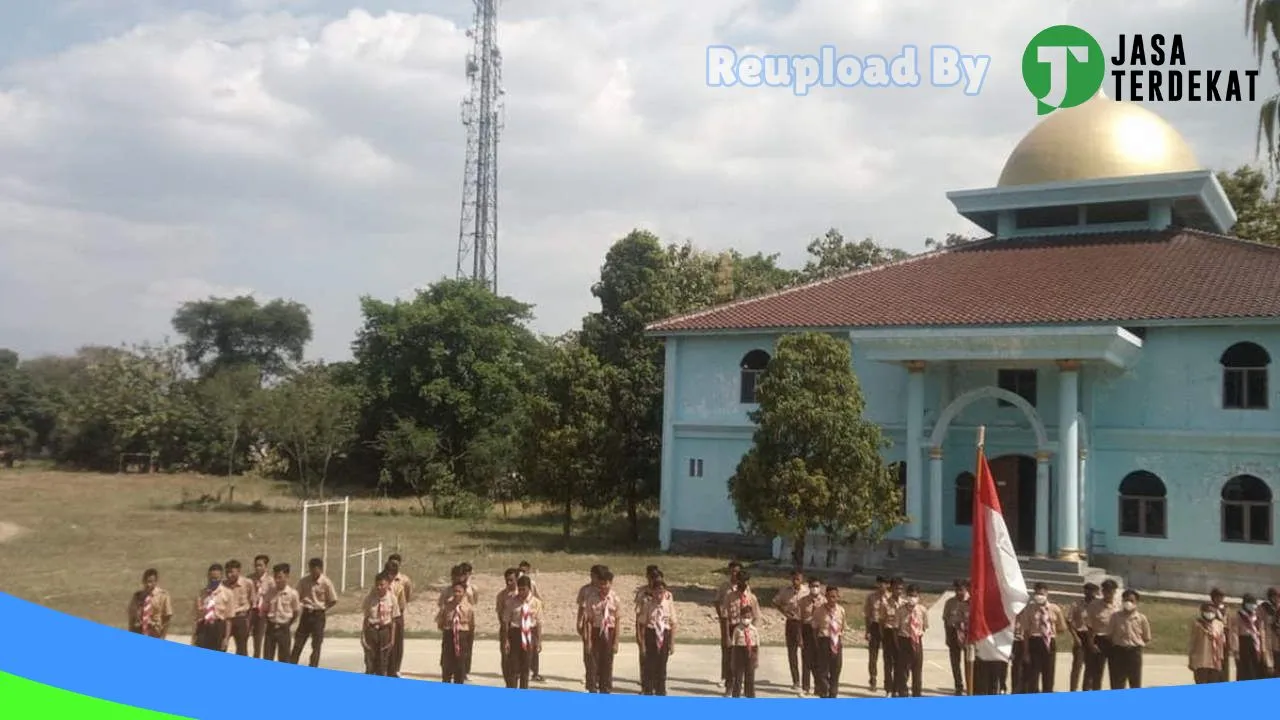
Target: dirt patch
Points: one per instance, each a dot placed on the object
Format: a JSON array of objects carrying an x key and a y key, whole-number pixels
[
  {"x": 694, "y": 614},
  {"x": 9, "y": 531}
]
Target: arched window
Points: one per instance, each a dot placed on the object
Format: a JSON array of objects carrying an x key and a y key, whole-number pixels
[
  {"x": 753, "y": 365},
  {"x": 1244, "y": 377},
  {"x": 1246, "y": 511},
  {"x": 900, "y": 472},
  {"x": 964, "y": 499},
  {"x": 1142, "y": 505}
]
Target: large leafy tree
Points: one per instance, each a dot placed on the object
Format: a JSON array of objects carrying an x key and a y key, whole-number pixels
[
  {"x": 815, "y": 462},
  {"x": 220, "y": 333},
  {"x": 832, "y": 255},
  {"x": 1256, "y": 203},
  {"x": 1262, "y": 25},
  {"x": 312, "y": 420}
]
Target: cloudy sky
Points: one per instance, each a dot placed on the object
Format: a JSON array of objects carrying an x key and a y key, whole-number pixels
[{"x": 156, "y": 151}]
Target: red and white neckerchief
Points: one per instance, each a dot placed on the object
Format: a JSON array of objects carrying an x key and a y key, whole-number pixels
[
  {"x": 1251, "y": 629},
  {"x": 263, "y": 589},
  {"x": 146, "y": 614},
  {"x": 915, "y": 625},
  {"x": 748, "y": 636},
  {"x": 457, "y": 631},
  {"x": 660, "y": 622},
  {"x": 833, "y": 629},
  {"x": 384, "y": 611},
  {"x": 1045, "y": 621},
  {"x": 1217, "y": 643},
  {"x": 606, "y": 617},
  {"x": 526, "y": 626},
  {"x": 210, "y": 607}
]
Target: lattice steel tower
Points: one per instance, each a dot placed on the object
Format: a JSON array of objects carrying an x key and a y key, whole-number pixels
[{"x": 482, "y": 117}]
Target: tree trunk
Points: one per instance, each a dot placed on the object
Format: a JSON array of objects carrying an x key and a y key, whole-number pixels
[
  {"x": 568, "y": 516},
  {"x": 231, "y": 454},
  {"x": 633, "y": 511},
  {"x": 797, "y": 551}
]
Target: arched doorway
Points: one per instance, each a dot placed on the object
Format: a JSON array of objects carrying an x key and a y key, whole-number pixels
[{"x": 1015, "y": 477}]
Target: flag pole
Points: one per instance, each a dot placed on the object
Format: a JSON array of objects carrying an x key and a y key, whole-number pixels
[{"x": 969, "y": 656}]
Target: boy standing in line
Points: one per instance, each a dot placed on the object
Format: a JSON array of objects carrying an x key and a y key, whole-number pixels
[
  {"x": 523, "y": 632},
  {"x": 734, "y": 568},
  {"x": 787, "y": 601},
  {"x": 1207, "y": 646},
  {"x": 745, "y": 654},
  {"x": 911, "y": 623},
  {"x": 263, "y": 579},
  {"x": 378, "y": 636},
  {"x": 281, "y": 607},
  {"x": 808, "y": 637},
  {"x": 402, "y": 589},
  {"x": 243, "y": 593},
  {"x": 214, "y": 609},
  {"x": 602, "y": 632},
  {"x": 318, "y": 597},
  {"x": 150, "y": 609},
  {"x": 526, "y": 570},
  {"x": 829, "y": 624},
  {"x": 875, "y": 633},
  {"x": 886, "y": 616},
  {"x": 955, "y": 620},
  {"x": 1078, "y": 626},
  {"x": 456, "y": 621},
  {"x": 508, "y": 595},
  {"x": 1129, "y": 632},
  {"x": 585, "y": 594},
  {"x": 656, "y": 635}
]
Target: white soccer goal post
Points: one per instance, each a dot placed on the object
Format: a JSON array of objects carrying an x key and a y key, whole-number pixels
[
  {"x": 364, "y": 554},
  {"x": 345, "y": 504}
]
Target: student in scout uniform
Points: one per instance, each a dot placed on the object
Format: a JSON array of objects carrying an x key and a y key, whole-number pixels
[
  {"x": 281, "y": 605},
  {"x": 955, "y": 622},
  {"x": 745, "y": 654},
  {"x": 651, "y": 573},
  {"x": 318, "y": 597},
  {"x": 1219, "y": 601},
  {"x": 1247, "y": 638},
  {"x": 787, "y": 602},
  {"x": 378, "y": 633},
  {"x": 602, "y": 615},
  {"x": 910, "y": 623},
  {"x": 829, "y": 625},
  {"x": 244, "y": 594},
  {"x": 456, "y": 621},
  {"x": 886, "y": 614},
  {"x": 150, "y": 609},
  {"x": 1207, "y": 646},
  {"x": 738, "y": 599},
  {"x": 523, "y": 636},
  {"x": 656, "y": 636},
  {"x": 467, "y": 572},
  {"x": 730, "y": 583},
  {"x": 808, "y": 637},
  {"x": 585, "y": 594},
  {"x": 1042, "y": 622},
  {"x": 402, "y": 589},
  {"x": 214, "y": 609},
  {"x": 875, "y": 634},
  {"x": 1078, "y": 626},
  {"x": 1272, "y": 615},
  {"x": 501, "y": 604},
  {"x": 262, "y": 580},
  {"x": 526, "y": 570},
  {"x": 1098, "y": 647},
  {"x": 1018, "y": 654},
  {"x": 1128, "y": 632}
]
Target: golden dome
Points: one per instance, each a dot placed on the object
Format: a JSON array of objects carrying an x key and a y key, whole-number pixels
[{"x": 1101, "y": 138}]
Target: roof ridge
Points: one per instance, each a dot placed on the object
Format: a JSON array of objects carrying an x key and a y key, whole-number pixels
[
  {"x": 1232, "y": 239},
  {"x": 658, "y": 325}
]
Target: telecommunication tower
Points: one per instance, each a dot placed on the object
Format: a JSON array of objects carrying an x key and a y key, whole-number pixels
[{"x": 482, "y": 118}]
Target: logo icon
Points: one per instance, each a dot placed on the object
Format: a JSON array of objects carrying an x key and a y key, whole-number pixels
[{"x": 1063, "y": 66}]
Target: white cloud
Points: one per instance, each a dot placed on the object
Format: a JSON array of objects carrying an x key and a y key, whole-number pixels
[{"x": 312, "y": 150}]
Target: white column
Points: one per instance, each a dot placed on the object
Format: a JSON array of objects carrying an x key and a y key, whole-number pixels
[
  {"x": 1068, "y": 459},
  {"x": 1042, "y": 503},
  {"x": 666, "y": 492},
  {"x": 1083, "y": 515},
  {"x": 935, "y": 498},
  {"x": 915, "y": 429}
]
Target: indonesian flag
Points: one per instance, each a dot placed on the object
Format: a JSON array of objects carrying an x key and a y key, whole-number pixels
[{"x": 998, "y": 591}]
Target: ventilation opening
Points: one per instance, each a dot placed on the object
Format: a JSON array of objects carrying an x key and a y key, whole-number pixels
[{"x": 1050, "y": 217}]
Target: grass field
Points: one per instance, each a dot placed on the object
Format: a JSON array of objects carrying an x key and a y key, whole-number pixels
[{"x": 78, "y": 543}]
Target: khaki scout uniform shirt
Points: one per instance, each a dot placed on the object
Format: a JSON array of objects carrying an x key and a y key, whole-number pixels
[
  {"x": 1077, "y": 620},
  {"x": 503, "y": 601},
  {"x": 1098, "y": 615},
  {"x": 243, "y": 594},
  {"x": 656, "y": 613},
  {"x": 1129, "y": 629},
  {"x": 261, "y": 585},
  {"x": 1208, "y": 644},
  {"x": 746, "y": 636},
  {"x": 955, "y": 619},
  {"x": 1040, "y": 622},
  {"x": 787, "y": 601},
  {"x": 223, "y": 603},
  {"x": 161, "y": 611},
  {"x": 462, "y": 611},
  {"x": 601, "y": 610},
  {"x": 733, "y": 602},
  {"x": 809, "y": 603},
  {"x": 721, "y": 594},
  {"x": 514, "y": 611},
  {"x": 887, "y": 610},
  {"x": 380, "y": 610},
  {"x": 869, "y": 616},
  {"x": 402, "y": 588},
  {"x": 317, "y": 594},
  {"x": 281, "y": 607},
  {"x": 1239, "y": 625},
  {"x": 827, "y": 615},
  {"x": 911, "y": 621}
]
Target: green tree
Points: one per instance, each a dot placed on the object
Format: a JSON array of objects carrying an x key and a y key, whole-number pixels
[
  {"x": 952, "y": 240},
  {"x": 815, "y": 461},
  {"x": 1262, "y": 25},
  {"x": 228, "y": 332},
  {"x": 412, "y": 459},
  {"x": 832, "y": 255},
  {"x": 20, "y": 406},
  {"x": 568, "y": 417},
  {"x": 312, "y": 420},
  {"x": 229, "y": 401},
  {"x": 1256, "y": 202}
]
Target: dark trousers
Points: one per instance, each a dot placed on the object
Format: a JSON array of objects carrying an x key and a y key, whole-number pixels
[
  {"x": 533, "y": 663},
  {"x": 1207, "y": 676},
  {"x": 240, "y": 632},
  {"x": 310, "y": 627},
  {"x": 987, "y": 675},
  {"x": 587, "y": 665},
  {"x": 275, "y": 642},
  {"x": 1095, "y": 662},
  {"x": 1042, "y": 658},
  {"x": 1226, "y": 667},
  {"x": 726, "y": 671},
  {"x": 873, "y": 652},
  {"x": 210, "y": 635},
  {"x": 1018, "y": 663},
  {"x": 258, "y": 629},
  {"x": 653, "y": 663},
  {"x": 601, "y": 675},
  {"x": 519, "y": 661},
  {"x": 378, "y": 642},
  {"x": 826, "y": 677},
  {"x": 808, "y": 658},
  {"x": 910, "y": 663},
  {"x": 397, "y": 647},
  {"x": 955, "y": 653},
  {"x": 1249, "y": 665},
  {"x": 1077, "y": 665},
  {"x": 454, "y": 656},
  {"x": 889, "y": 650},
  {"x": 470, "y": 639},
  {"x": 1125, "y": 664},
  {"x": 793, "y": 650},
  {"x": 1275, "y": 663},
  {"x": 743, "y": 660}
]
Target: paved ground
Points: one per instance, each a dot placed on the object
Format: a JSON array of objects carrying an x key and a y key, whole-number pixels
[{"x": 693, "y": 669}]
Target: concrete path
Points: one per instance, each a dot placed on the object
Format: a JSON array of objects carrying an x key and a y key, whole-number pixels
[{"x": 693, "y": 669}]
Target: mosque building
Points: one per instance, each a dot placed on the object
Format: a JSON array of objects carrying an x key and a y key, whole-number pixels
[{"x": 1110, "y": 336}]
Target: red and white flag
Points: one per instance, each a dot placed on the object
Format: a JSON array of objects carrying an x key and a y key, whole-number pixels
[{"x": 998, "y": 591}]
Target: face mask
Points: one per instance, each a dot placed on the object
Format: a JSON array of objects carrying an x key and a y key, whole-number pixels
[
  {"x": 912, "y": 600},
  {"x": 1208, "y": 615},
  {"x": 213, "y": 585},
  {"x": 1248, "y": 607},
  {"x": 1042, "y": 599},
  {"x": 1130, "y": 606},
  {"x": 746, "y": 622}
]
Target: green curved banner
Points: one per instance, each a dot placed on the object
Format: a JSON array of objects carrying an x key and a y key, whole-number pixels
[{"x": 21, "y": 699}]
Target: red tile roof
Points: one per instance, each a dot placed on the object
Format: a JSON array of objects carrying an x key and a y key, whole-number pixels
[{"x": 1115, "y": 277}]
